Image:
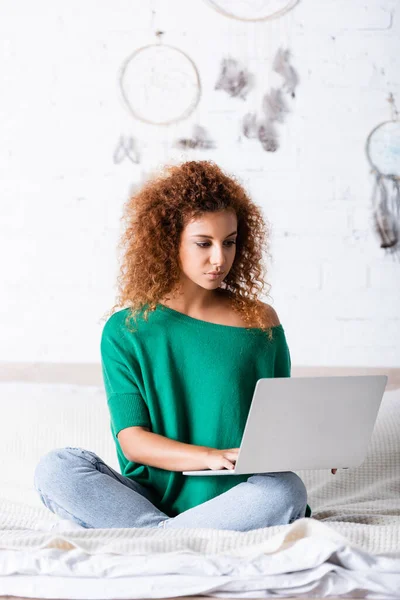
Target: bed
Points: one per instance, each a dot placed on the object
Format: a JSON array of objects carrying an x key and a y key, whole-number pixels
[{"x": 350, "y": 548}]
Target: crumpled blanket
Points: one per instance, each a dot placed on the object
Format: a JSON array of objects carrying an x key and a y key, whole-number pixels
[{"x": 60, "y": 559}]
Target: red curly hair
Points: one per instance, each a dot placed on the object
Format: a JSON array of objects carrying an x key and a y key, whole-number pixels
[{"x": 155, "y": 217}]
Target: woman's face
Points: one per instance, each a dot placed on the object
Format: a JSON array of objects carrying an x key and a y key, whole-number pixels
[{"x": 208, "y": 244}]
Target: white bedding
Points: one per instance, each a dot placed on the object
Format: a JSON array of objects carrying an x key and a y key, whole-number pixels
[{"x": 350, "y": 547}]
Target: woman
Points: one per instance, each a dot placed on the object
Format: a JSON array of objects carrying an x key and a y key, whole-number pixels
[{"x": 180, "y": 363}]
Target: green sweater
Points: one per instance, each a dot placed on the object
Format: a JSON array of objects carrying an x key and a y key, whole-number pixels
[{"x": 191, "y": 381}]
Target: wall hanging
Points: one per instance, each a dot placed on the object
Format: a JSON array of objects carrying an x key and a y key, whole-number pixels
[
  {"x": 383, "y": 153},
  {"x": 159, "y": 84},
  {"x": 252, "y": 10}
]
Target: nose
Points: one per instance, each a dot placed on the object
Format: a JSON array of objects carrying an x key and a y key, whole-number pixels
[{"x": 217, "y": 257}]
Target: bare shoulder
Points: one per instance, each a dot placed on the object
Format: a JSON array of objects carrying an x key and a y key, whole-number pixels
[{"x": 272, "y": 317}]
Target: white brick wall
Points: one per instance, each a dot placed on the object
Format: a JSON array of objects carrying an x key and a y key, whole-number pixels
[{"x": 61, "y": 116}]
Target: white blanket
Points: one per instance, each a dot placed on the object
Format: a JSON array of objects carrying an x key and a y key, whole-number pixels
[{"x": 350, "y": 547}]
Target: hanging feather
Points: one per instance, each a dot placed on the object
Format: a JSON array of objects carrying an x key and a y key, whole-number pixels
[
  {"x": 384, "y": 221},
  {"x": 274, "y": 106},
  {"x": 395, "y": 197},
  {"x": 281, "y": 65},
  {"x": 126, "y": 148},
  {"x": 250, "y": 126},
  {"x": 200, "y": 139},
  {"x": 267, "y": 136},
  {"x": 386, "y": 227},
  {"x": 235, "y": 80}
]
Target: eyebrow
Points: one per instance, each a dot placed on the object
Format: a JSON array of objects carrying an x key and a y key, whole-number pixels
[{"x": 209, "y": 236}]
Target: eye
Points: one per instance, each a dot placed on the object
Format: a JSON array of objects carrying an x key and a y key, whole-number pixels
[{"x": 205, "y": 244}]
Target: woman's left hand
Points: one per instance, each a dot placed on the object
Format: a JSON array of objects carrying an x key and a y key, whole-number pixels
[{"x": 333, "y": 471}]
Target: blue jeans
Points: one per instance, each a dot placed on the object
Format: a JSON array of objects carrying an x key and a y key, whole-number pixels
[{"x": 77, "y": 485}]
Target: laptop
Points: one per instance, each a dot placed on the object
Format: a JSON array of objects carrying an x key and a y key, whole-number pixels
[{"x": 300, "y": 423}]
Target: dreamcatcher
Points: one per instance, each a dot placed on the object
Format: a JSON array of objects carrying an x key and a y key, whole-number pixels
[
  {"x": 383, "y": 153},
  {"x": 237, "y": 81},
  {"x": 253, "y": 10},
  {"x": 160, "y": 84}
]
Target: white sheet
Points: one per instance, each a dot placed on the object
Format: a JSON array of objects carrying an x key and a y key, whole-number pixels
[
  {"x": 303, "y": 558},
  {"x": 351, "y": 545}
]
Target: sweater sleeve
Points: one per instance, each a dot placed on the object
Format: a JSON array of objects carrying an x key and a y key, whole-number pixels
[
  {"x": 283, "y": 362},
  {"x": 126, "y": 404}
]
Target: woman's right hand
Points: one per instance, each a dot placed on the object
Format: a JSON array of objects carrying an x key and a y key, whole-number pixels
[{"x": 221, "y": 459}]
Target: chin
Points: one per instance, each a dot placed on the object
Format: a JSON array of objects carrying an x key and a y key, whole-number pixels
[{"x": 209, "y": 284}]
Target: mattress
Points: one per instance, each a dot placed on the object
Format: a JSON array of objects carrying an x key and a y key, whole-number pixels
[{"x": 349, "y": 548}]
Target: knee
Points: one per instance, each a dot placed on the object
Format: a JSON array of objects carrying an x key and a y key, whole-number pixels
[
  {"x": 288, "y": 489},
  {"x": 295, "y": 490},
  {"x": 52, "y": 466}
]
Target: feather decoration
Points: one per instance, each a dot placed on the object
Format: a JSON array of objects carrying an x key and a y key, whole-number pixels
[
  {"x": 126, "y": 148},
  {"x": 250, "y": 126},
  {"x": 200, "y": 139},
  {"x": 263, "y": 130},
  {"x": 235, "y": 80},
  {"x": 396, "y": 197},
  {"x": 274, "y": 106},
  {"x": 268, "y": 137},
  {"x": 384, "y": 221},
  {"x": 281, "y": 65}
]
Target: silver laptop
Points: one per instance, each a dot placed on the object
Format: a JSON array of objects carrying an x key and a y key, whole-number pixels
[{"x": 297, "y": 423}]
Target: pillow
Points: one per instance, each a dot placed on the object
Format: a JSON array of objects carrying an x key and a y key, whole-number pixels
[
  {"x": 369, "y": 493},
  {"x": 39, "y": 417}
]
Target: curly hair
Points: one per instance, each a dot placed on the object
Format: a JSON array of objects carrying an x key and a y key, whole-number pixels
[{"x": 155, "y": 217}]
